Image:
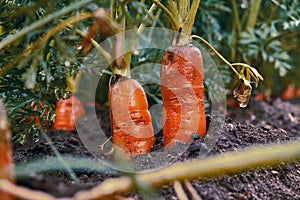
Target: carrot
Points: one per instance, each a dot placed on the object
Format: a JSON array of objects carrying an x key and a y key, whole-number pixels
[
  {"x": 131, "y": 124},
  {"x": 6, "y": 161},
  {"x": 289, "y": 92},
  {"x": 182, "y": 90},
  {"x": 297, "y": 92},
  {"x": 67, "y": 111}
]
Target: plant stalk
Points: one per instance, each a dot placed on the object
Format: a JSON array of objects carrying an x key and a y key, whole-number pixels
[
  {"x": 236, "y": 18},
  {"x": 254, "y": 9},
  {"x": 175, "y": 24}
]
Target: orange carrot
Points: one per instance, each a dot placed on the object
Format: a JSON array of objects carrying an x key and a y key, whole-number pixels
[
  {"x": 6, "y": 161},
  {"x": 182, "y": 91},
  {"x": 288, "y": 93},
  {"x": 67, "y": 111},
  {"x": 131, "y": 124},
  {"x": 297, "y": 92}
]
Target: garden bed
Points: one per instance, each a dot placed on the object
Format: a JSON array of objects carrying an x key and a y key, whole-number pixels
[{"x": 261, "y": 123}]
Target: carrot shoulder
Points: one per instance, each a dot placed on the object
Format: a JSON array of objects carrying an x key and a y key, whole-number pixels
[
  {"x": 131, "y": 124},
  {"x": 182, "y": 91},
  {"x": 6, "y": 160}
]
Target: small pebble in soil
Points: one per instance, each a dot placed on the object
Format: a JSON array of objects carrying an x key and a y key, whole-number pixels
[
  {"x": 230, "y": 127},
  {"x": 274, "y": 172}
]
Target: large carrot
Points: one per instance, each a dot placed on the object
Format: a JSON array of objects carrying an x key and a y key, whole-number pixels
[
  {"x": 131, "y": 124},
  {"x": 6, "y": 161},
  {"x": 182, "y": 91},
  {"x": 182, "y": 76}
]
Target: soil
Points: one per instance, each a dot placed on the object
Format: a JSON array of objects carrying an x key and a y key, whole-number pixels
[{"x": 260, "y": 123}]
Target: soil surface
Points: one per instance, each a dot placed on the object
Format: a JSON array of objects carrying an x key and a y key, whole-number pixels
[{"x": 260, "y": 123}]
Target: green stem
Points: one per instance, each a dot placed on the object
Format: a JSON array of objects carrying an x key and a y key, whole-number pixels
[
  {"x": 236, "y": 29},
  {"x": 254, "y": 8},
  {"x": 113, "y": 10},
  {"x": 190, "y": 19},
  {"x": 121, "y": 65},
  {"x": 170, "y": 15},
  {"x": 236, "y": 18},
  {"x": 183, "y": 8},
  {"x": 10, "y": 39},
  {"x": 143, "y": 25}
]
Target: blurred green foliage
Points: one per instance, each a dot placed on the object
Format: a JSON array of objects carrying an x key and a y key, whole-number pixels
[
  {"x": 40, "y": 74},
  {"x": 263, "y": 34},
  {"x": 266, "y": 38}
]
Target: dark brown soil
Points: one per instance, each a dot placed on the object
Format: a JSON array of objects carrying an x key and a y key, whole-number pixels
[{"x": 261, "y": 123}]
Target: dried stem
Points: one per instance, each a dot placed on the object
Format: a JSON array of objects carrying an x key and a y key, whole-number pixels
[
  {"x": 179, "y": 191},
  {"x": 191, "y": 189},
  {"x": 22, "y": 192}
]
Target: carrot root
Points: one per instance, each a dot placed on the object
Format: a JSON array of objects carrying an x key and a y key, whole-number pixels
[
  {"x": 182, "y": 91},
  {"x": 131, "y": 124}
]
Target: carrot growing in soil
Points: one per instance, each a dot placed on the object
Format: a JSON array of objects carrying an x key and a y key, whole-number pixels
[
  {"x": 6, "y": 161},
  {"x": 182, "y": 90},
  {"x": 181, "y": 77},
  {"x": 67, "y": 111},
  {"x": 131, "y": 124}
]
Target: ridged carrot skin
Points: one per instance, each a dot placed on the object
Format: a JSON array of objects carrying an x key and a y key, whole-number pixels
[
  {"x": 6, "y": 161},
  {"x": 67, "y": 111},
  {"x": 131, "y": 125},
  {"x": 182, "y": 91}
]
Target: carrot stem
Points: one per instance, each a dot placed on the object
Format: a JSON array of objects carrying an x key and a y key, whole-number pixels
[
  {"x": 254, "y": 9},
  {"x": 170, "y": 15},
  {"x": 143, "y": 25}
]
